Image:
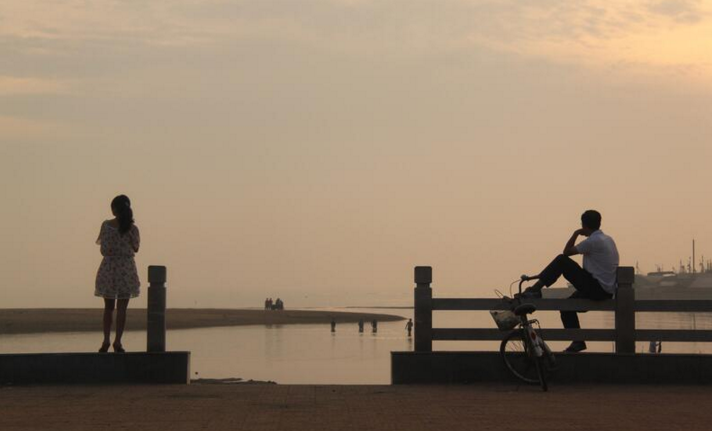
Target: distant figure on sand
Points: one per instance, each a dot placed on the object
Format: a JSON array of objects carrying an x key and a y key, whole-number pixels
[
  {"x": 333, "y": 325},
  {"x": 596, "y": 280},
  {"x": 409, "y": 326},
  {"x": 374, "y": 326},
  {"x": 117, "y": 278},
  {"x": 360, "y": 325}
]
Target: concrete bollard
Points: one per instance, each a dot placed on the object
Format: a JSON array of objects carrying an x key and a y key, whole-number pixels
[
  {"x": 156, "y": 321},
  {"x": 625, "y": 310},
  {"x": 423, "y": 309}
]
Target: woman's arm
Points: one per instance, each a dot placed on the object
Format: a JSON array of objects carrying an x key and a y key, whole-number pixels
[
  {"x": 98, "y": 239},
  {"x": 135, "y": 239}
]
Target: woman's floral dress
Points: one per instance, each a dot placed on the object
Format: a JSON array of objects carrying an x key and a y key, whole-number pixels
[{"x": 117, "y": 277}]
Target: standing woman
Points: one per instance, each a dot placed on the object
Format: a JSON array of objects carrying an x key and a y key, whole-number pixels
[{"x": 117, "y": 279}]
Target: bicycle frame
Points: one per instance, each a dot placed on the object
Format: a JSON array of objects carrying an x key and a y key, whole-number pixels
[
  {"x": 539, "y": 347},
  {"x": 534, "y": 339}
]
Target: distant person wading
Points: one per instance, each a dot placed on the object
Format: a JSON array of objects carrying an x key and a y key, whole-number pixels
[{"x": 117, "y": 279}]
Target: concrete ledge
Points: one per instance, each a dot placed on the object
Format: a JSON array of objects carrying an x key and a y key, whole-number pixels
[
  {"x": 90, "y": 368},
  {"x": 470, "y": 367}
]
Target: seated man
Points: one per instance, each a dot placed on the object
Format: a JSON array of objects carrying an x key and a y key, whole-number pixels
[{"x": 596, "y": 280}]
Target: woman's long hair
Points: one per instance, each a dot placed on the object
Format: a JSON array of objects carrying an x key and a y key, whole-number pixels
[{"x": 121, "y": 206}]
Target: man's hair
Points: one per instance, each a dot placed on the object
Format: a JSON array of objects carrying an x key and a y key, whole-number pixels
[{"x": 591, "y": 219}]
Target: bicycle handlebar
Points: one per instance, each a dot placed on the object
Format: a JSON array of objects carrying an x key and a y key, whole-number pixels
[{"x": 524, "y": 278}]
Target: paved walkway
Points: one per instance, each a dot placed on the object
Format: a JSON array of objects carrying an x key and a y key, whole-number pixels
[{"x": 276, "y": 407}]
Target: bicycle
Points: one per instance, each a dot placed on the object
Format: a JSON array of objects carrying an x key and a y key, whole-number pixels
[{"x": 523, "y": 350}]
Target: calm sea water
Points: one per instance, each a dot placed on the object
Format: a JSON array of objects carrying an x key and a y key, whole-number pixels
[{"x": 301, "y": 354}]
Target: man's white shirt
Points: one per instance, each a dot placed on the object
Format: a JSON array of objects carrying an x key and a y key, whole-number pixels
[{"x": 600, "y": 258}]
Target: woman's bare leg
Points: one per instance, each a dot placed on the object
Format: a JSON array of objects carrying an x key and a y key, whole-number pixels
[
  {"x": 108, "y": 318},
  {"x": 122, "y": 305}
]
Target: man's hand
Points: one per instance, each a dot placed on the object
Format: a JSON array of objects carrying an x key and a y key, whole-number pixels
[{"x": 570, "y": 247}]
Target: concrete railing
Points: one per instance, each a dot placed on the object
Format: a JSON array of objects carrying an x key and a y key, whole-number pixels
[
  {"x": 154, "y": 366},
  {"x": 624, "y": 306},
  {"x": 156, "y": 310}
]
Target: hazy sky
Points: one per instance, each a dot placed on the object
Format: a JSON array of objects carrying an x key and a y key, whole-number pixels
[{"x": 317, "y": 150}]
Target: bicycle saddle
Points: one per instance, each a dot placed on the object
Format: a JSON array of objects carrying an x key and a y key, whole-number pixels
[{"x": 524, "y": 309}]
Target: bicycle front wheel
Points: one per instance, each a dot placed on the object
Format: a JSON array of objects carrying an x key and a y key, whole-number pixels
[
  {"x": 539, "y": 362},
  {"x": 515, "y": 352}
]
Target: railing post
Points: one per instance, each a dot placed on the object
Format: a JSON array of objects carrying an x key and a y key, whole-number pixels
[
  {"x": 156, "y": 319},
  {"x": 423, "y": 309},
  {"x": 625, "y": 310}
]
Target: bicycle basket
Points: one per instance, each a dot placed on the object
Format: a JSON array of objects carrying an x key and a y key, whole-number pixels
[{"x": 505, "y": 319}]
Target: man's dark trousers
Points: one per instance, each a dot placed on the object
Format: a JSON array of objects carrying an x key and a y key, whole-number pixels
[{"x": 585, "y": 284}]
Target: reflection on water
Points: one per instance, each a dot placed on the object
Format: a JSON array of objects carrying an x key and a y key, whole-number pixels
[{"x": 313, "y": 354}]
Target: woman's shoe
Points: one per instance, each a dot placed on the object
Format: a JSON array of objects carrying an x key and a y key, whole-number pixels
[
  {"x": 104, "y": 347},
  {"x": 119, "y": 349}
]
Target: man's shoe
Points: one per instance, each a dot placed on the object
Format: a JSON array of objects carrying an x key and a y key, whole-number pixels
[
  {"x": 575, "y": 347},
  {"x": 529, "y": 294}
]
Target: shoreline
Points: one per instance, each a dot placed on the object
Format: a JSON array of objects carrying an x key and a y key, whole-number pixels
[{"x": 54, "y": 320}]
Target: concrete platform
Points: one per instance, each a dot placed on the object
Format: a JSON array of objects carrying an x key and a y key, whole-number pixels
[
  {"x": 471, "y": 367},
  {"x": 95, "y": 368},
  {"x": 264, "y": 407}
]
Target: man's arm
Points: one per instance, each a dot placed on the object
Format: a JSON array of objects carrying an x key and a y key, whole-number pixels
[{"x": 570, "y": 247}]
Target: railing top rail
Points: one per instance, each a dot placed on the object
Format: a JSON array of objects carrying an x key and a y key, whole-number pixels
[
  {"x": 645, "y": 305},
  {"x": 473, "y": 304},
  {"x": 487, "y": 334}
]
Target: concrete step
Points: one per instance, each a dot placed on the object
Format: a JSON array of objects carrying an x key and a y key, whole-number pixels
[
  {"x": 471, "y": 367},
  {"x": 95, "y": 368}
]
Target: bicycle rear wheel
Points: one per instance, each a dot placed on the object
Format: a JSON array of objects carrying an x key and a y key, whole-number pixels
[{"x": 515, "y": 352}]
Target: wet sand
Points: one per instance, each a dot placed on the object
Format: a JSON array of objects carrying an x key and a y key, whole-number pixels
[
  {"x": 267, "y": 407},
  {"x": 28, "y": 321}
]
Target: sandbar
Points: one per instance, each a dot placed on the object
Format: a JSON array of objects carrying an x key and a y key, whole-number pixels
[{"x": 42, "y": 320}]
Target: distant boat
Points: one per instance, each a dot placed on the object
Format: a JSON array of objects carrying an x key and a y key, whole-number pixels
[
  {"x": 687, "y": 276},
  {"x": 671, "y": 280},
  {"x": 679, "y": 280}
]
